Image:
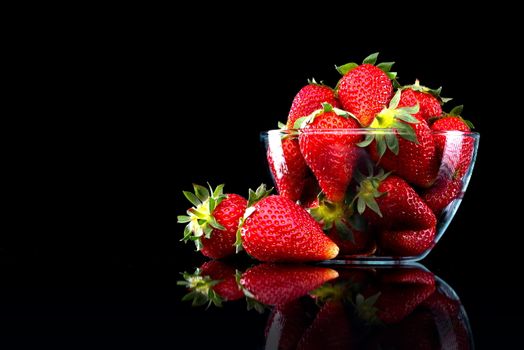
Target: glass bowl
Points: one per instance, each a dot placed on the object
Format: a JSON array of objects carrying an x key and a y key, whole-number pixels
[{"x": 378, "y": 208}]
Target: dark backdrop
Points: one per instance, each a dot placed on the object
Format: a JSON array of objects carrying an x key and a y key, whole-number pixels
[{"x": 144, "y": 113}]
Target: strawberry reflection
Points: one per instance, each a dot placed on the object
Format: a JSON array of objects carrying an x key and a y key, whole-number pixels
[{"x": 369, "y": 307}]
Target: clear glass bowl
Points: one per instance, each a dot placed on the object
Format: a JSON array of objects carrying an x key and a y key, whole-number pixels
[{"x": 307, "y": 164}]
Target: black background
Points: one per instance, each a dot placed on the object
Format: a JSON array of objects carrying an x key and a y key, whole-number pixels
[{"x": 137, "y": 113}]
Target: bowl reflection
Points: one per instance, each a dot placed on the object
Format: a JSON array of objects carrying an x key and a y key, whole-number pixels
[{"x": 340, "y": 307}]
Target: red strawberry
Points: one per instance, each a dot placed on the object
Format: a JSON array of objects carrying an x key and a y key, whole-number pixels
[
  {"x": 274, "y": 284},
  {"x": 364, "y": 90},
  {"x": 429, "y": 100},
  {"x": 455, "y": 150},
  {"x": 308, "y": 100},
  {"x": 286, "y": 325},
  {"x": 407, "y": 242},
  {"x": 214, "y": 282},
  {"x": 362, "y": 244},
  {"x": 409, "y": 275},
  {"x": 330, "y": 156},
  {"x": 438, "y": 303},
  {"x": 410, "y": 151},
  {"x": 227, "y": 287},
  {"x": 213, "y": 221},
  {"x": 442, "y": 193},
  {"x": 331, "y": 329},
  {"x": 277, "y": 229},
  {"x": 395, "y": 301},
  {"x": 287, "y": 165},
  {"x": 346, "y": 228},
  {"x": 394, "y": 204}
]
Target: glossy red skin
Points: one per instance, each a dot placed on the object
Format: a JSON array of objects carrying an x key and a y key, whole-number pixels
[
  {"x": 331, "y": 157},
  {"x": 407, "y": 276},
  {"x": 288, "y": 168},
  {"x": 438, "y": 303},
  {"x": 274, "y": 284},
  {"x": 429, "y": 105},
  {"x": 441, "y": 194},
  {"x": 415, "y": 163},
  {"x": 397, "y": 301},
  {"x": 308, "y": 100},
  {"x": 401, "y": 207},
  {"x": 365, "y": 91},
  {"x": 227, "y": 288},
  {"x": 227, "y": 213},
  {"x": 455, "y": 153},
  {"x": 407, "y": 242},
  {"x": 331, "y": 329},
  {"x": 364, "y": 242},
  {"x": 281, "y": 230}
]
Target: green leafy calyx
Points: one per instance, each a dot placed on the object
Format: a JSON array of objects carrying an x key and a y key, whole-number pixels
[
  {"x": 367, "y": 191},
  {"x": 371, "y": 59},
  {"x": 366, "y": 309},
  {"x": 456, "y": 112},
  {"x": 392, "y": 117},
  {"x": 435, "y": 92},
  {"x": 200, "y": 289},
  {"x": 254, "y": 197},
  {"x": 199, "y": 219},
  {"x": 326, "y": 108},
  {"x": 334, "y": 214}
]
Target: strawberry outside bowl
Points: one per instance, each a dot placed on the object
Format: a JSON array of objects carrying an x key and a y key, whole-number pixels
[{"x": 382, "y": 195}]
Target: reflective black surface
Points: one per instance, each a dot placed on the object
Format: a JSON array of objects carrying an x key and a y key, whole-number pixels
[
  {"x": 328, "y": 307},
  {"x": 129, "y": 299}
]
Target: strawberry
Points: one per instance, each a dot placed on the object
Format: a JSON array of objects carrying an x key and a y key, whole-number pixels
[
  {"x": 331, "y": 329},
  {"x": 409, "y": 275},
  {"x": 456, "y": 152},
  {"x": 429, "y": 100},
  {"x": 213, "y": 221},
  {"x": 442, "y": 193},
  {"x": 277, "y": 229},
  {"x": 394, "y": 204},
  {"x": 214, "y": 282},
  {"x": 308, "y": 100},
  {"x": 346, "y": 228},
  {"x": 330, "y": 156},
  {"x": 393, "y": 302},
  {"x": 410, "y": 151},
  {"x": 365, "y": 89},
  {"x": 438, "y": 303},
  {"x": 286, "y": 325},
  {"x": 274, "y": 284},
  {"x": 407, "y": 242},
  {"x": 362, "y": 244},
  {"x": 286, "y": 165}
]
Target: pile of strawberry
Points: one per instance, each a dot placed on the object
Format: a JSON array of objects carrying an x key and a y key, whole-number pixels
[
  {"x": 363, "y": 169},
  {"x": 315, "y": 307}
]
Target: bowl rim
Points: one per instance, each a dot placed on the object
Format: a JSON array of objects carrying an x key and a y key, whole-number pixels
[{"x": 363, "y": 131}]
